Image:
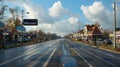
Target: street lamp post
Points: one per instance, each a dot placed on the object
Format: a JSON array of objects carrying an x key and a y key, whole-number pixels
[
  {"x": 78, "y": 29},
  {"x": 22, "y": 30},
  {"x": 22, "y": 22}
]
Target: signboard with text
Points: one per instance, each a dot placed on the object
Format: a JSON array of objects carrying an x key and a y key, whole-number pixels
[{"x": 30, "y": 22}]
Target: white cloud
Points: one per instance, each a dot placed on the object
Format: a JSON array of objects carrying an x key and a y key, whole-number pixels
[
  {"x": 58, "y": 11},
  {"x": 73, "y": 20},
  {"x": 98, "y": 12},
  {"x": 69, "y": 25},
  {"x": 37, "y": 12}
]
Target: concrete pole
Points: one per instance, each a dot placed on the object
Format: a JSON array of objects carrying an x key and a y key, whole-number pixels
[
  {"x": 114, "y": 24},
  {"x": 78, "y": 29}
]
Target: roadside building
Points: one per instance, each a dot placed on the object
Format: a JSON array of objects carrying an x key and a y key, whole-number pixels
[
  {"x": 81, "y": 34},
  {"x": 118, "y": 35},
  {"x": 1, "y": 33},
  {"x": 92, "y": 32},
  {"x": 77, "y": 35},
  {"x": 111, "y": 36}
]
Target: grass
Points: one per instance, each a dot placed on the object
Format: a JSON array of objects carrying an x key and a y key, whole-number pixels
[{"x": 101, "y": 46}]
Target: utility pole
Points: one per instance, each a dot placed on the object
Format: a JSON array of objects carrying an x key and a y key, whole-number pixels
[
  {"x": 78, "y": 29},
  {"x": 114, "y": 24}
]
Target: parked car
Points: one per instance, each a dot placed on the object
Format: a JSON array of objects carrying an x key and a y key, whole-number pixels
[
  {"x": 107, "y": 42},
  {"x": 27, "y": 39},
  {"x": 99, "y": 42},
  {"x": 24, "y": 40}
]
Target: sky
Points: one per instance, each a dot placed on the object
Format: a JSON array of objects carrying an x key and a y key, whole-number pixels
[{"x": 65, "y": 16}]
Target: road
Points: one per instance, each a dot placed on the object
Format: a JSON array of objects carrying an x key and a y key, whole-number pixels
[{"x": 58, "y": 53}]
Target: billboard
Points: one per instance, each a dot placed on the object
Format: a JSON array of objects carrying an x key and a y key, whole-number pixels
[{"x": 30, "y": 22}]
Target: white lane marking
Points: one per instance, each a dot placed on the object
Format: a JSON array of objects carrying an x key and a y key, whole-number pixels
[
  {"x": 106, "y": 54},
  {"x": 27, "y": 53},
  {"x": 30, "y": 55},
  {"x": 102, "y": 52},
  {"x": 33, "y": 63},
  {"x": 64, "y": 51},
  {"x": 90, "y": 65},
  {"x": 17, "y": 57},
  {"x": 49, "y": 58},
  {"x": 98, "y": 57}
]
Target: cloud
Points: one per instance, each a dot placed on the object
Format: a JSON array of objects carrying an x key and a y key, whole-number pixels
[
  {"x": 73, "y": 20},
  {"x": 98, "y": 12},
  {"x": 58, "y": 11},
  {"x": 47, "y": 21},
  {"x": 69, "y": 25},
  {"x": 37, "y": 12},
  {"x": 62, "y": 27}
]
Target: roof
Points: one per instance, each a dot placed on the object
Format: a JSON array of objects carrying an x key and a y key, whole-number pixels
[
  {"x": 93, "y": 29},
  {"x": 20, "y": 28},
  {"x": 89, "y": 27},
  {"x": 80, "y": 31}
]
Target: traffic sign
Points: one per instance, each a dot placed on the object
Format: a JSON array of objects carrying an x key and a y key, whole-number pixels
[{"x": 30, "y": 22}]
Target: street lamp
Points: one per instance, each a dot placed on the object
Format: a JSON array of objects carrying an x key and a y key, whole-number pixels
[{"x": 23, "y": 12}]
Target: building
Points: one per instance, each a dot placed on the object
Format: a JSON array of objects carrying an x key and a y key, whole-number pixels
[
  {"x": 75, "y": 35},
  {"x": 1, "y": 33},
  {"x": 111, "y": 36},
  {"x": 78, "y": 34},
  {"x": 118, "y": 35},
  {"x": 92, "y": 32}
]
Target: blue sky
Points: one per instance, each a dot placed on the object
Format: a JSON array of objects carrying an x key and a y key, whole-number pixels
[
  {"x": 74, "y": 5},
  {"x": 62, "y": 16}
]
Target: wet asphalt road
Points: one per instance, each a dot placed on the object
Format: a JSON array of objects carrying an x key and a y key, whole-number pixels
[{"x": 58, "y": 53}]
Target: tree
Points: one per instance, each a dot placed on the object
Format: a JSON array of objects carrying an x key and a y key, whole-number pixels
[
  {"x": 2, "y": 9},
  {"x": 14, "y": 20}
]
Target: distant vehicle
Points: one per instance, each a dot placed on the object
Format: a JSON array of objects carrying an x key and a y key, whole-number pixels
[
  {"x": 27, "y": 39},
  {"x": 107, "y": 42},
  {"x": 19, "y": 40},
  {"x": 24, "y": 40},
  {"x": 77, "y": 38},
  {"x": 99, "y": 42}
]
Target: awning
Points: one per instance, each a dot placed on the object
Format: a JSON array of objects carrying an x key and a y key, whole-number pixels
[
  {"x": 94, "y": 34},
  {"x": 1, "y": 24},
  {"x": 20, "y": 28}
]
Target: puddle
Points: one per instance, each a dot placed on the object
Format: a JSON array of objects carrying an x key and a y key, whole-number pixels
[{"x": 67, "y": 61}]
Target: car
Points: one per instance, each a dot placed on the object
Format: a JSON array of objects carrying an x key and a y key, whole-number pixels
[
  {"x": 107, "y": 42},
  {"x": 99, "y": 42},
  {"x": 23, "y": 40}
]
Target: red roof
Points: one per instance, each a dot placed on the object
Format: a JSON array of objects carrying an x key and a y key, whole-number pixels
[{"x": 93, "y": 30}]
